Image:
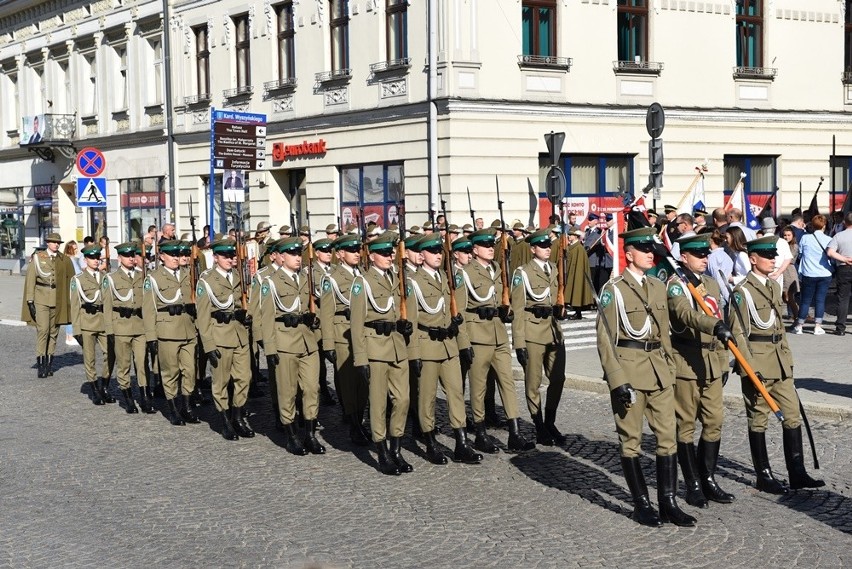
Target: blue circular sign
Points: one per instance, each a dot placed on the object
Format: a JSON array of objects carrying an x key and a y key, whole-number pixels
[{"x": 91, "y": 162}]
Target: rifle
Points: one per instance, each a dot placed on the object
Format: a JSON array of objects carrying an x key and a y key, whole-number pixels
[
  {"x": 470, "y": 205},
  {"x": 241, "y": 259},
  {"x": 559, "y": 309},
  {"x": 193, "y": 259},
  {"x": 504, "y": 247},
  {"x": 312, "y": 306},
  {"x": 364, "y": 251},
  {"x": 400, "y": 255},
  {"x": 106, "y": 249},
  {"x": 448, "y": 264}
]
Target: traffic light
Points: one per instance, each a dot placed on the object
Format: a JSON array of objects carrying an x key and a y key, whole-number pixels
[{"x": 655, "y": 161}]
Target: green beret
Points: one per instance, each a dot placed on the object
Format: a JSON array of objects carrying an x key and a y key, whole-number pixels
[
  {"x": 347, "y": 240},
  {"x": 224, "y": 246},
  {"x": 639, "y": 236},
  {"x": 91, "y": 251},
  {"x": 383, "y": 242},
  {"x": 462, "y": 244},
  {"x": 324, "y": 244},
  {"x": 485, "y": 237},
  {"x": 169, "y": 247},
  {"x": 540, "y": 237},
  {"x": 763, "y": 244},
  {"x": 429, "y": 241},
  {"x": 695, "y": 243},
  {"x": 292, "y": 245},
  {"x": 128, "y": 247}
]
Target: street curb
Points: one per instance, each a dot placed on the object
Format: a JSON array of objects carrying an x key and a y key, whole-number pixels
[{"x": 5, "y": 322}]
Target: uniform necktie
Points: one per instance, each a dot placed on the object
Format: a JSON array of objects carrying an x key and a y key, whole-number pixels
[
  {"x": 547, "y": 269},
  {"x": 390, "y": 278},
  {"x": 769, "y": 287},
  {"x": 491, "y": 272},
  {"x": 230, "y": 277},
  {"x": 296, "y": 279},
  {"x": 356, "y": 272},
  {"x": 438, "y": 277}
]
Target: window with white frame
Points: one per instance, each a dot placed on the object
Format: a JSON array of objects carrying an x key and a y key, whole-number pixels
[
  {"x": 120, "y": 73},
  {"x": 286, "y": 41},
  {"x": 339, "y": 27},
  {"x": 89, "y": 104},
  {"x": 598, "y": 175},
  {"x": 760, "y": 173},
  {"x": 397, "y": 30},
  {"x": 243, "y": 53},
  {"x": 202, "y": 61},
  {"x": 154, "y": 63}
]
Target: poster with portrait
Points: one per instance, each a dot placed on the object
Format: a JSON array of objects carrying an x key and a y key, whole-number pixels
[
  {"x": 32, "y": 129},
  {"x": 234, "y": 186}
]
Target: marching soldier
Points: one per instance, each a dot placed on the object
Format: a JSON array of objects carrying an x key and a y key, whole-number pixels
[
  {"x": 701, "y": 356},
  {"x": 537, "y": 335},
  {"x": 757, "y": 325},
  {"x": 254, "y": 311},
  {"x": 336, "y": 334},
  {"x": 261, "y": 235},
  {"x": 636, "y": 356},
  {"x": 322, "y": 267},
  {"x": 290, "y": 343},
  {"x": 478, "y": 293},
  {"x": 224, "y": 337},
  {"x": 46, "y": 299},
  {"x": 379, "y": 351},
  {"x": 413, "y": 261},
  {"x": 122, "y": 294},
  {"x": 433, "y": 352},
  {"x": 521, "y": 254},
  {"x": 87, "y": 307},
  {"x": 170, "y": 330}
]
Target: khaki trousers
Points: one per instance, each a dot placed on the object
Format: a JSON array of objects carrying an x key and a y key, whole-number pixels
[
  {"x": 758, "y": 411},
  {"x": 449, "y": 373},
  {"x": 550, "y": 358},
  {"x": 89, "y": 356},
  {"x": 130, "y": 349},
  {"x": 177, "y": 362},
  {"x": 354, "y": 391},
  {"x": 699, "y": 400},
  {"x": 486, "y": 356},
  {"x": 46, "y": 330},
  {"x": 388, "y": 378},
  {"x": 234, "y": 365},
  {"x": 293, "y": 373},
  {"x": 658, "y": 407}
]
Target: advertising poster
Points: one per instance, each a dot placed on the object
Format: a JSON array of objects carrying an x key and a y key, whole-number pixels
[{"x": 233, "y": 186}]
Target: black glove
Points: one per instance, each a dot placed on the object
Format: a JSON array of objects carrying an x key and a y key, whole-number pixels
[
  {"x": 260, "y": 344},
  {"x": 31, "y": 307},
  {"x": 523, "y": 357},
  {"x": 79, "y": 338},
  {"x": 152, "y": 347},
  {"x": 560, "y": 312},
  {"x": 272, "y": 360},
  {"x": 624, "y": 395},
  {"x": 725, "y": 378},
  {"x": 506, "y": 314},
  {"x": 759, "y": 376},
  {"x": 416, "y": 367},
  {"x": 458, "y": 319},
  {"x": 330, "y": 355},
  {"x": 315, "y": 324},
  {"x": 723, "y": 333},
  {"x": 466, "y": 356},
  {"x": 189, "y": 309},
  {"x": 213, "y": 357},
  {"x": 241, "y": 315},
  {"x": 364, "y": 371},
  {"x": 404, "y": 327}
]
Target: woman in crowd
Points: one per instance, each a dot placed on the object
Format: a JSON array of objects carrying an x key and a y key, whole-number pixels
[
  {"x": 814, "y": 274},
  {"x": 72, "y": 253},
  {"x": 791, "y": 274},
  {"x": 737, "y": 250},
  {"x": 720, "y": 266}
]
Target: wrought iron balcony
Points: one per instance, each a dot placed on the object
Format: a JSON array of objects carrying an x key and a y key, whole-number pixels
[
  {"x": 279, "y": 84},
  {"x": 646, "y": 67},
  {"x": 243, "y": 91},
  {"x": 57, "y": 133},
  {"x": 392, "y": 65},
  {"x": 545, "y": 62},
  {"x": 197, "y": 99},
  {"x": 336, "y": 75},
  {"x": 767, "y": 73}
]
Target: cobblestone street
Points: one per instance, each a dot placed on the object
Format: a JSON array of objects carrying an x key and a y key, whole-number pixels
[{"x": 86, "y": 486}]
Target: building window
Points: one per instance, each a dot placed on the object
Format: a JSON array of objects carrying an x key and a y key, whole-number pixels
[
  {"x": 380, "y": 187},
  {"x": 286, "y": 42},
  {"x": 142, "y": 202},
  {"x": 90, "y": 91},
  {"x": 749, "y": 33},
  {"x": 339, "y": 35},
  {"x": 841, "y": 178},
  {"x": 633, "y": 30},
  {"x": 242, "y": 46},
  {"x": 397, "y": 22},
  {"x": 538, "y": 20},
  {"x": 154, "y": 94},
  {"x": 202, "y": 61},
  {"x": 593, "y": 175},
  {"x": 760, "y": 173},
  {"x": 120, "y": 88},
  {"x": 11, "y": 223}
]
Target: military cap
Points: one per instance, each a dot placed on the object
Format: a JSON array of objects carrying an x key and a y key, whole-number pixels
[
  {"x": 170, "y": 247},
  {"x": 763, "y": 246},
  {"x": 376, "y": 230},
  {"x": 184, "y": 237},
  {"x": 462, "y": 244},
  {"x": 427, "y": 225},
  {"x": 575, "y": 232},
  {"x": 127, "y": 247},
  {"x": 92, "y": 251},
  {"x": 429, "y": 241},
  {"x": 324, "y": 245},
  {"x": 415, "y": 230},
  {"x": 519, "y": 226},
  {"x": 347, "y": 240},
  {"x": 593, "y": 216},
  {"x": 383, "y": 242},
  {"x": 539, "y": 238},
  {"x": 411, "y": 242},
  {"x": 53, "y": 238},
  {"x": 454, "y": 229},
  {"x": 331, "y": 228},
  {"x": 393, "y": 227},
  {"x": 553, "y": 228},
  {"x": 262, "y": 227},
  {"x": 496, "y": 224},
  {"x": 292, "y": 245},
  {"x": 650, "y": 213},
  {"x": 272, "y": 246},
  {"x": 639, "y": 236},
  {"x": 467, "y": 228},
  {"x": 305, "y": 230},
  {"x": 284, "y": 230},
  {"x": 224, "y": 246},
  {"x": 608, "y": 217},
  {"x": 669, "y": 208},
  {"x": 485, "y": 237},
  {"x": 185, "y": 247},
  {"x": 699, "y": 211},
  {"x": 529, "y": 229},
  {"x": 699, "y": 243},
  {"x": 351, "y": 228}
]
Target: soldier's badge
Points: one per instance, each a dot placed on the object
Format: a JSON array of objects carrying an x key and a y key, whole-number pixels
[
  {"x": 458, "y": 280},
  {"x": 606, "y": 298},
  {"x": 517, "y": 280},
  {"x": 199, "y": 290},
  {"x": 408, "y": 290},
  {"x": 737, "y": 298},
  {"x": 264, "y": 290},
  {"x": 147, "y": 285},
  {"x": 675, "y": 290},
  {"x": 326, "y": 285},
  {"x": 356, "y": 289},
  {"x": 105, "y": 284},
  {"x": 73, "y": 284}
]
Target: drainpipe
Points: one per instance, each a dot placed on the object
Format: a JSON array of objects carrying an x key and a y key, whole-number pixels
[
  {"x": 170, "y": 129},
  {"x": 432, "y": 130}
]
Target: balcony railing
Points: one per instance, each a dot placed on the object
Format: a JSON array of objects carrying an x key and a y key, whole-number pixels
[
  {"x": 245, "y": 90},
  {"x": 545, "y": 62},
  {"x": 336, "y": 75},
  {"x": 392, "y": 65},
  {"x": 197, "y": 99},
  {"x": 648, "y": 67},
  {"x": 279, "y": 84},
  {"x": 768, "y": 73}
]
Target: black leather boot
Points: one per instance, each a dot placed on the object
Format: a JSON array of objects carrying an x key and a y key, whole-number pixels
[
  {"x": 433, "y": 451},
  {"x": 550, "y": 425},
  {"x": 492, "y": 419},
  {"x": 48, "y": 366},
  {"x": 708, "y": 455},
  {"x": 666, "y": 492},
  {"x": 241, "y": 426},
  {"x": 483, "y": 440},
  {"x": 41, "y": 365},
  {"x": 386, "y": 463},
  {"x": 463, "y": 451},
  {"x": 188, "y": 410},
  {"x": 129, "y": 403},
  {"x": 104, "y": 387},
  {"x": 228, "y": 432},
  {"x": 517, "y": 442},
  {"x": 394, "y": 446},
  {"x": 97, "y": 398},
  {"x": 145, "y": 400},
  {"x": 356, "y": 435},
  {"x": 686, "y": 459},
  {"x": 293, "y": 444},
  {"x": 312, "y": 445},
  {"x": 643, "y": 511},
  {"x": 174, "y": 415},
  {"x": 766, "y": 482},
  {"x": 799, "y": 477},
  {"x": 542, "y": 436}
]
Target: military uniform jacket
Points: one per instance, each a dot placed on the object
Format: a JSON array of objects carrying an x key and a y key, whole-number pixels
[
  {"x": 697, "y": 352},
  {"x": 334, "y": 306},
  {"x": 477, "y": 290},
  {"x": 285, "y": 305},
  {"x": 123, "y": 303},
  {"x": 624, "y": 302},
  {"x": 764, "y": 341},
  {"x": 216, "y": 299},
  {"x": 87, "y": 304},
  {"x": 429, "y": 307},
  {"x": 162, "y": 293},
  {"x": 533, "y": 296},
  {"x": 255, "y": 300},
  {"x": 375, "y": 299},
  {"x": 593, "y": 242},
  {"x": 521, "y": 255},
  {"x": 47, "y": 283}
]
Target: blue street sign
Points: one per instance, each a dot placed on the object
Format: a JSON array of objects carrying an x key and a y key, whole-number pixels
[
  {"x": 236, "y": 117},
  {"x": 90, "y": 162},
  {"x": 91, "y": 192}
]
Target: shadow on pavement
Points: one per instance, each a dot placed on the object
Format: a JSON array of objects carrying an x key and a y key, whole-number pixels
[{"x": 824, "y": 386}]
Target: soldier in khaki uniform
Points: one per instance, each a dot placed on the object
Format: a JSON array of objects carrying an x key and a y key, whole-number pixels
[
  {"x": 87, "y": 308},
  {"x": 521, "y": 254},
  {"x": 170, "y": 330},
  {"x": 290, "y": 343},
  {"x": 701, "y": 356},
  {"x": 336, "y": 334},
  {"x": 537, "y": 335},
  {"x": 122, "y": 294},
  {"x": 261, "y": 235},
  {"x": 478, "y": 294},
  {"x": 636, "y": 356},
  {"x": 46, "y": 300},
  {"x": 379, "y": 351},
  {"x": 254, "y": 311},
  {"x": 321, "y": 268},
  {"x": 433, "y": 351},
  {"x": 761, "y": 337}
]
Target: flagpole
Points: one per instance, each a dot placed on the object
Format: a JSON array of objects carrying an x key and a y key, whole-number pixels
[{"x": 690, "y": 188}]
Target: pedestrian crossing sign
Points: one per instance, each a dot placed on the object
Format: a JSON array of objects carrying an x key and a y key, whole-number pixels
[{"x": 91, "y": 192}]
